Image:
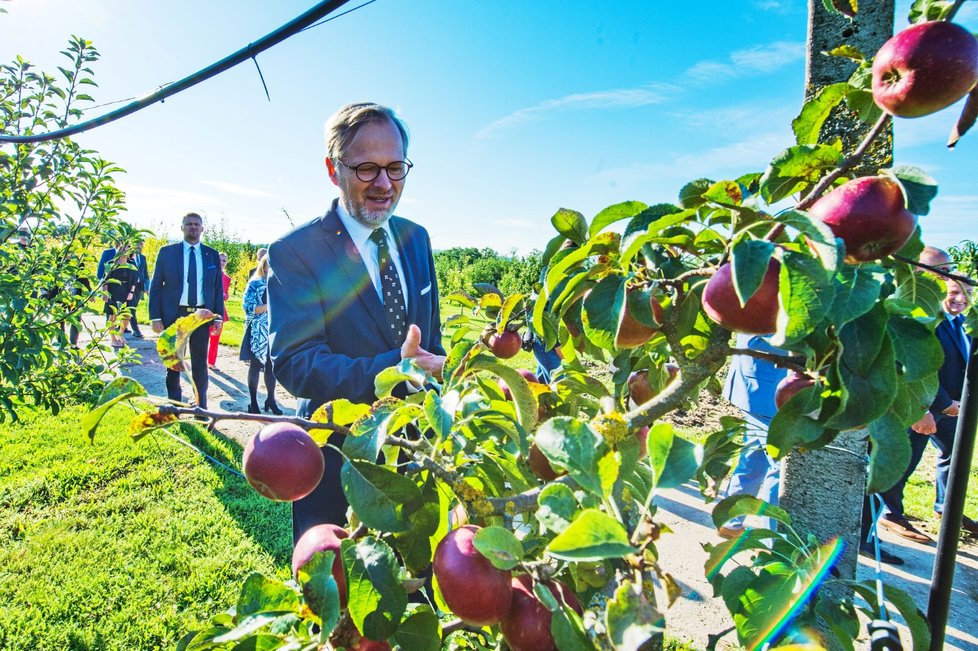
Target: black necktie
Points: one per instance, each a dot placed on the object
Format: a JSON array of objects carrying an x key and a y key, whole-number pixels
[
  {"x": 961, "y": 334},
  {"x": 390, "y": 286},
  {"x": 192, "y": 278}
]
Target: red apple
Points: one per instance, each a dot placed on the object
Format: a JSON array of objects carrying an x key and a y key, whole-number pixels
[
  {"x": 789, "y": 386},
  {"x": 758, "y": 316},
  {"x": 476, "y": 591},
  {"x": 540, "y": 465},
  {"x": 925, "y": 68},
  {"x": 505, "y": 344},
  {"x": 631, "y": 333},
  {"x": 366, "y": 644},
  {"x": 282, "y": 462},
  {"x": 322, "y": 537},
  {"x": 640, "y": 389},
  {"x": 869, "y": 215},
  {"x": 527, "y": 625}
]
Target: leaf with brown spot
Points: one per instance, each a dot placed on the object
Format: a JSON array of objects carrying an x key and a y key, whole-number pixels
[
  {"x": 172, "y": 343},
  {"x": 147, "y": 421}
]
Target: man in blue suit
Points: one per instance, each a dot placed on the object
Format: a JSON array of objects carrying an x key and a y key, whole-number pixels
[
  {"x": 751, "y": 384},
  {"x": 941, "y": 420},
  {"x": 187, "y": 277},
  {"x": 352, "y": 292}
]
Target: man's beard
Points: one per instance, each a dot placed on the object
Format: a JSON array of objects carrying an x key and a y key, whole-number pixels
[{"x": 367, "y": 217}]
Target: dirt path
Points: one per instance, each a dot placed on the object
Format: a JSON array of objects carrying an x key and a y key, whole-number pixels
[{"x": 697, "y": 615}]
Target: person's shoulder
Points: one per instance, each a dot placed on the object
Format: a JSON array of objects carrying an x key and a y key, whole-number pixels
[
  {"x": 301, "y": 233},
  {"x": 407, "y": 228}
]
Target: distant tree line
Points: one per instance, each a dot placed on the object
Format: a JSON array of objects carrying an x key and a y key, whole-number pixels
[{"x": 460, "y": 268}]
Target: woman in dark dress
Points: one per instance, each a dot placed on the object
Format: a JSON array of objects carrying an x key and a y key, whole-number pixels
[
  {"x": 254, "y": 345},
  {"x": 120, "y": 285}
]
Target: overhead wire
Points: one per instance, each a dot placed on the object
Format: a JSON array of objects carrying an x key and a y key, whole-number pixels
[{"x": 311, "y": 18}]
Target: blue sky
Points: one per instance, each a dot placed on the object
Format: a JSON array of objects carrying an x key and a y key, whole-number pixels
[{"x": 515, "y": 108}]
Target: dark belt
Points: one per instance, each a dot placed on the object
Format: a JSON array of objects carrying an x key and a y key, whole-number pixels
[{"x": 187, "y": 309}]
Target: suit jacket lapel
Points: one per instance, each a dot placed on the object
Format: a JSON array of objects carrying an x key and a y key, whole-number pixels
[{"x": 344, "y": 254}]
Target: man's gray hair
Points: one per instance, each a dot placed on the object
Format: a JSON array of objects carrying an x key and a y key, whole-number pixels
[{"x": 343, "y": 125}]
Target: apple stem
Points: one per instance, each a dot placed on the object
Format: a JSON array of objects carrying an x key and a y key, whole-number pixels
[{"x": 953, "y": 11}]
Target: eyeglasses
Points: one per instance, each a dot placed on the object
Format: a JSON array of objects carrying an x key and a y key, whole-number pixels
[{"x": 367, "y": 172}]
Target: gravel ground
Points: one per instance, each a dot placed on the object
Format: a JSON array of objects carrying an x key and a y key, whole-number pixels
[{"x": 697, "y": 616}]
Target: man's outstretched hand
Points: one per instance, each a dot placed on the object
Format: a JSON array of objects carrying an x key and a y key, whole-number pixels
[{"x": 411, "y": 348}]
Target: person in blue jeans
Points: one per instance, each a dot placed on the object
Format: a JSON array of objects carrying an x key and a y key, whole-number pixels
[{"x": 750, "y": 386}]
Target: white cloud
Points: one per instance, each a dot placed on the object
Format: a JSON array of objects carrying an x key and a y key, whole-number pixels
[
  {"x": 234, "y": 188},
  {"x": 596, "y": 100},
  {"x": 756, "y": 60}
]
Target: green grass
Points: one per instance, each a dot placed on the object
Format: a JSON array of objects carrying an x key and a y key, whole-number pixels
[
  {"x": 122, "y": 545},
  {"x": 918, "y": 498}
]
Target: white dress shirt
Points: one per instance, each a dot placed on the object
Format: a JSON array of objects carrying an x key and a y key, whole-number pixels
[
  {"x": 360, "y": 235},
  {"x": 200, "y": 273}
]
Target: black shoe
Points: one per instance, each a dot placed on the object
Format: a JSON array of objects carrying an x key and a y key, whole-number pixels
[
  {"x": 137, "y": 334},
  {"x": 272, "y": 406},
  {"x": 869, "y": 551},
  {"x": 253, "y": 409}
]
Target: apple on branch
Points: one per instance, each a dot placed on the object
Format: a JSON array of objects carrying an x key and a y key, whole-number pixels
[
  {"x": 925, "y": 68},
  {"x": 282, "y": 462},
  {"x": 473, "y": 588},
  {"x": 759, "y": 315},
  {"x": 869, "y": 215}
]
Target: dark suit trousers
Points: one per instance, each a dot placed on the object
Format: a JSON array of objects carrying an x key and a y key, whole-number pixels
[
  {"x": 198, "y": 363},
  {"x": 943, "y": 440}
]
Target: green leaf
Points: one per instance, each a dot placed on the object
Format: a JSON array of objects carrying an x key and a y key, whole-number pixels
[
  {"x": 557, "y": 507},
  {"x": 691, "y": 194},
  {"x": 376, "y": 600},
  {"x": 915, "y": 619},
  {"x": 592, "y": 536},
  {"x": 740, "y": 505},
  {"x": 525, "y": 401},
  {"x": 262, "y": 595},
  {"x": 571, "y": 224},
  {"x": 868, "y": 394},
  {"x": 510, "y": 306},
  {"x": 749, "y": 260},
  {"x": 792, "y": 425},
  {"x": 921, "y": 290},
  {"x": 862, "y": 339},
  {"x": 632, "y": 619},
  {"x": 119, "y": 389},
  {"x": 915, "y": 347},
  {"x": 439, "y": 418},
  {"x": 659, "y": 445},
  {"x": 808, "y": 124},
  {"x": 615, "y": 213},
  {"x": 406, "y": 371},
  {"x": 857, "y": 288},
  {"x": 602, "y": 311},
  {"x": 420, "y": 631},
  {"x": 380, "y": 497},
  {"x": 806, "y": 297},
  {"x": 920, "y": 188},
  {"x": 818, "y": 236},
  {"x": 368, "y": 432},
  {"x": 320, "y": 589},
  {"x": 847, "y": 51},
  {"x": 725, "y": 193},
  {"x": 890, "y": 454},
  {"x": 499, "y": 546},
  {"x": 340, "y": 412},
  {"x": 796, "y": 168},
  {"x": 681, "y": 464},
  {"x": 572, "y": 444}
]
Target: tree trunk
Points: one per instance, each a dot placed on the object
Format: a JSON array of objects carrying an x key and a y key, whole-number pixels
[{"x": 823, "y": 490}]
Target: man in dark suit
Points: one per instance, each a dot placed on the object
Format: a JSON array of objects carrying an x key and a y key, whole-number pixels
[
  {"x": 353, "y": 291},
  {"x": 187, "y": 277},
  {"x": 940, "y": 422}
]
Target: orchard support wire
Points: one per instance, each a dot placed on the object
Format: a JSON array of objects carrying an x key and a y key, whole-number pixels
[
  {"x": 250, "y": 51},
  {"x": 957, "y": 488}
]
